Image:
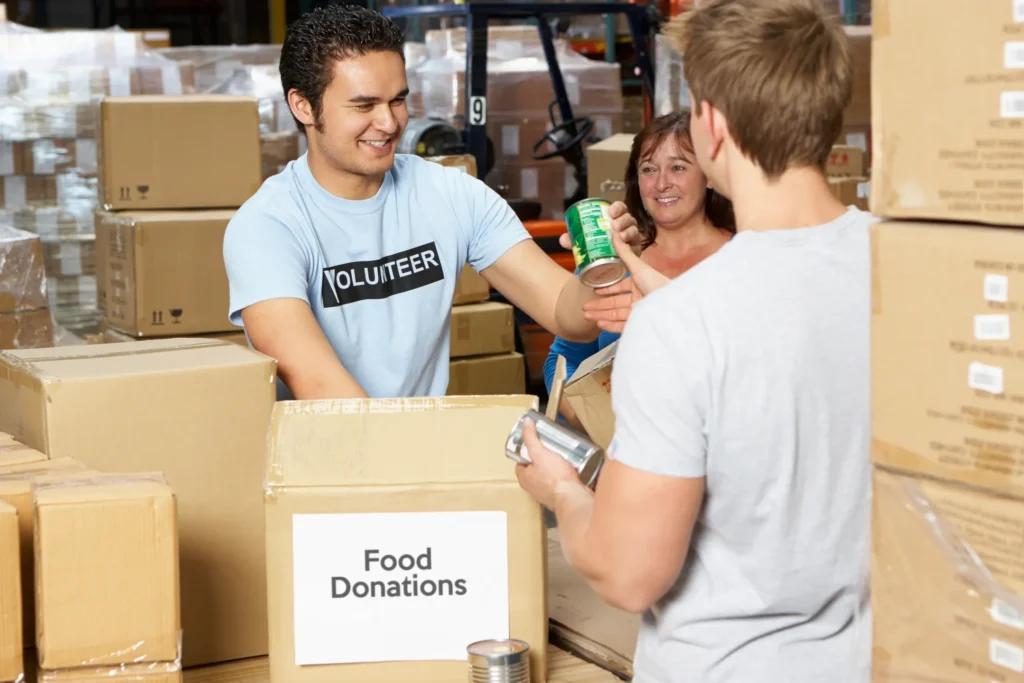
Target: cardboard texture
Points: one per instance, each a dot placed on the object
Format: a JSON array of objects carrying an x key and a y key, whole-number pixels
[
  {"x": 179, "y": 152},
  {"x": 485, "y": 375},
  {"x": 22, "y": 272},
  {"x": 407, "y": 455},
  {"x": 464, "y": 162},
  {"x": 589, "y": 393},
  {"x": 11, "y": 643},
  {"x": 582, "y": 622},
  {"x": 14, "y": 453},
  {"x": 946, "y": 132},
  {"x": 121, "y": 675},
  {"x": 111, "y": 535},
  {"x": 858, "y": 111},
  {"x": 195, "y": 410},
  {"x": 471, "y": 287},
  {"x": 482, "y": 329},
  {"x": 947, "y": 576},
  {"x": 16, "y": 483},
  {"x": 851, "y": 191},
  {"x": 164, "y": 273},
  {"x": 847, "y": 161},
  {"x": 114, "y": 336},
  {"x": 606, "y": 167},
  {"x": 27, "y": 329},
  {"x": 947, "y": 353}
]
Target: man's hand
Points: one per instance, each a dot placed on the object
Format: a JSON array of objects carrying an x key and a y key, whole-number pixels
[
  {"x": 611, "y": 309},
  {"x": 548, "y": 473},
  {"x": 623, "y": 224}
]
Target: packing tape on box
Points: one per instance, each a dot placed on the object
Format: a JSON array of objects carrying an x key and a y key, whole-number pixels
[{"x": 157, "y": 672}]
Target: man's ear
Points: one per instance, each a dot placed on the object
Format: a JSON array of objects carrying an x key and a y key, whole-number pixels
[
  {"x": 301, "y": 108},
  {"x": 715, "y": 127}
]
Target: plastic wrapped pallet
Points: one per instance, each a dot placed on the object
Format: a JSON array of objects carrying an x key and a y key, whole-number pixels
[
  {"x": 671, "y": 92},
  {"x": 25, "y": 320}
]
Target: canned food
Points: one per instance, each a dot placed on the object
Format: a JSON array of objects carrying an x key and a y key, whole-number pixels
[
  {"x": 499, "y": 661},
  {"x": 586, "y": 457},
  {"x": 590, "y": 228}
]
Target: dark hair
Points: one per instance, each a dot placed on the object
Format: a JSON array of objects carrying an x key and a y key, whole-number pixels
[
  {"x": 318, "y": 39},
  {"x": 717, "y": 209}
]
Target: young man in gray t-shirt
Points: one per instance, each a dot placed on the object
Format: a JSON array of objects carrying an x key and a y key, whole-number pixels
[{"x": 734, "y": 508}]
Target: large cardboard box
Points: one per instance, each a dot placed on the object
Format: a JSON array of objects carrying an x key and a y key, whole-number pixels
[
  {"x": 947, "y": 132},
  {"x": 107, "y": 536},
  {"x": 471, "y": 287},
  {"x": 858, "y": 111},
  {"x": 482, "y": 329},
  {"x": 11, "y": 643},
  {"x": 13, "y": 452},
  {"x": 487, "y": 375},
  {"x": 27, "y": 329},
  {"x": 397, "y": 534},
  {"x": 111, "y": 336},
  {"x": 196, "y": 410},
  {"x": 179, "y": 152},
  {"x": 847, "y": 161},
  {"x": 851, "y": 191},
  {"x": 606, "y": 167},
  {"x": 947, "y": 352},
  {"x": 22, "y": 272},
  {"x": 163, "y": 272},
  {"x": 589, "y": 394},
  {"x": 947, "y": 576}
]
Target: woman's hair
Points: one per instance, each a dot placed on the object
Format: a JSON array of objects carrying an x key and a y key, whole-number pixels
[{"x": 717, "y": 209}]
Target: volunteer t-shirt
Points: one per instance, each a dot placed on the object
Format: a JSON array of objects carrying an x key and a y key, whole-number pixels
[
  {"x": 379, "y": 274},
  {"x": 751, "y": 370}
]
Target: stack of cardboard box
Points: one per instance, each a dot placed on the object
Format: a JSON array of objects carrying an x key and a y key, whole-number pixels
[
  {"x": 25, "y": 318},
  {"x": 947, "y": 370},
  {"x": 847, "y": 171},
  {"x": 173, "y": 170}
]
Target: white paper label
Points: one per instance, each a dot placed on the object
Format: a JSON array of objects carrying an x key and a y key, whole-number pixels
[
  {"x": 14, "y": 192},
  {"x": 6, "y": 158},
  {"x": 510, "y": 140},
  {"x": 46, "y": 222},
  {"x": 1018, "y": 10},
  {"x": 85, "y": 155},
  {"x": 120, "y": 82},
  {"x": 997, "y": 288},
  {"x": 399, "y": 586},
  {"x": 170, "y": 79},
  {"x": 602, "y": 127},
  {"x": 572, "y": 89},
  {"x": 1011, "y": 105},
  {"x": 44, "y": 157},
  {"x": 1006, "y": 614},
  {"x": 864, "y": 190},
  {"x": 70, "y": 259},
  {"x": 528, "y": 183},
  {"x": 1006, "y": 655},
  {"x": 570, "y": 181},
  {"x": 992, "y": 327},
  {"x": 477, "y": 111},
  {"x": 987, "y": 378},
  {"x": 858, "y": 140},
  {"x": 1013, "y": 55}
]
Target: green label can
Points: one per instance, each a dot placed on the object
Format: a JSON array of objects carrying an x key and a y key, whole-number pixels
[{"x": 590, "y": 228}]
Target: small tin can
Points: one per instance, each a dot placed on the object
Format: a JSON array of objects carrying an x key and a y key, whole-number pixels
[
  {"x": 499, "y": 661},
  {"x": 590, "y": 228},
  {"x": 585, "y": 456}
]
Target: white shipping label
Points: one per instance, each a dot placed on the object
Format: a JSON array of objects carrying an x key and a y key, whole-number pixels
[
  {"x": 44, "y": 157},
  {"x": 170, "y": 79},
  {"x": 572, "y": 89},
  {"x": 987, "y": 378},
  {"x": 1011, "y": 105},
  {"x": 398, "y": 587},
  {"x": 602, "y": 126},
  {"x": 1006, "y": 655},
  {"x": 70, "y": 259},
  {"x": 992, "y": 327},
  {"x": 1018, "y": 10},
  {"x": 864, "y": 190},
  {"x": 1006, "y": 614},
  {"x": 510, "y": 140},
  {"x": 14, "y": 192},
  {"x": 528, "y": 183},
  {"x": 997, "y": 288},
  {"x": 6, "y": 158},
  {"x": 85, "y": 155},
  {"x": 120, "y": 82},
  {"x": 858, "y": 140},
  {"x": 1013, "y": 55}
]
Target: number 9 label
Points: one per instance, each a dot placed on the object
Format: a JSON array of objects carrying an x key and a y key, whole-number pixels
[{"x": 477, "y": 111}]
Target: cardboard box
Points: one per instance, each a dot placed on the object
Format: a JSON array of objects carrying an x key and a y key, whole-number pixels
[
  {"x": 22, "y": 273},
  {"x": 123, "y": 674},
  {"x": 111, "y": 536},
  {"x": 164, "y": 272},
  {"x": 858, "y": 111},
  {"x": 179, "y": 152},
  {"x": 423, "y": 483},
  {"x": 851, "y": 191},
  {"x": 466, "y": 162},
  {"x": 947, "y": 352},
  {"x": 947, "y": 568},
  {"x": 195, "y": 410},
  {"x": 482, "y": 329},
  {"x": 847, "y": 161},
  {"x": 487, "y": 375},
  {"x": 947, "y": 132},
  {"x": 12, "y": 665},
  {"x": 589, "y": 393},
  {"x": 606, "y": 167},
  {"x": 16, "y": 483},
  {"x": 27, "y": 329},
  {"x": 113, "y": 336},
  {"x": 13, "y": 453},
  {"x": 471, "y": 287}
]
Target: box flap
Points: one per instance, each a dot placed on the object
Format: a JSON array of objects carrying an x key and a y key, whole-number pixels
[
  {"x": 599, "y": 360},
  {"x": 620, "y": 142},
  {"x": 557, "y": 385},
  {"x": 368, "y": 442}
]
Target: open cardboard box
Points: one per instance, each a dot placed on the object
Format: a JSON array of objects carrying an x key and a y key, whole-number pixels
[{"x": 589, "y": 393}]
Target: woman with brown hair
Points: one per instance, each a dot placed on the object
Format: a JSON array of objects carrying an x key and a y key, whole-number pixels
[{"x": 682, "y": 220}]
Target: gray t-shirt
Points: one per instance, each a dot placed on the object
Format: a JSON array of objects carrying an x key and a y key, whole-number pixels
[
  {"x": 752, "y": 370},
  {"x": 379, "y": 274}
]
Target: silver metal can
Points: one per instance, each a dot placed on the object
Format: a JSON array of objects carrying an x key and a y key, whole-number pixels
[
  {"x": 585, "y": 456},
  {"x": 499, "y": 661}
]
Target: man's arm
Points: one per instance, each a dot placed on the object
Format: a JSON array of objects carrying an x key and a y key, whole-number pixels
[{"x": 286, "y": 329}]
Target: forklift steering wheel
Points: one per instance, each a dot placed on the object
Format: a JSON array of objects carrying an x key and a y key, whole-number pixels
[{"x": 556, "y": 136}]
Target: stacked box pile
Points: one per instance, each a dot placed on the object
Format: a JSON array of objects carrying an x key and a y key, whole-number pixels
[
  {"x": 519, "y": 93},
  {"x": 49, "y": 91},
  {"x": 947, "y": 584},
  {"x": 25, "y": 317}
]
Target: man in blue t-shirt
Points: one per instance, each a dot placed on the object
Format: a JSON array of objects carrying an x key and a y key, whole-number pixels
[{"x": 343, "y": 266}]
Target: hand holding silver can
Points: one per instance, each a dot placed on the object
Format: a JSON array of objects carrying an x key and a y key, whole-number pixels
[{"x": 586, "y": 457}]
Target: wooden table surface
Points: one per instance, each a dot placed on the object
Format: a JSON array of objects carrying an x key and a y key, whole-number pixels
[{"x": 562, "y": 668}]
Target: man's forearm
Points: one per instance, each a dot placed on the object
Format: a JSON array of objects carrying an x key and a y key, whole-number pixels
[
  {"x": 574, "y": 507},
  {"x": 572, "y": 326}
]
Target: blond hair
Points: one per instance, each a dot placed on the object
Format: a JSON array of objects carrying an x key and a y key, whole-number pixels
[{"x": 779, "y": 70}]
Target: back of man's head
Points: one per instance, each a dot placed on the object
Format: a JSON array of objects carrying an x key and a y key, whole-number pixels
[{"x": 779, "y": 71}]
